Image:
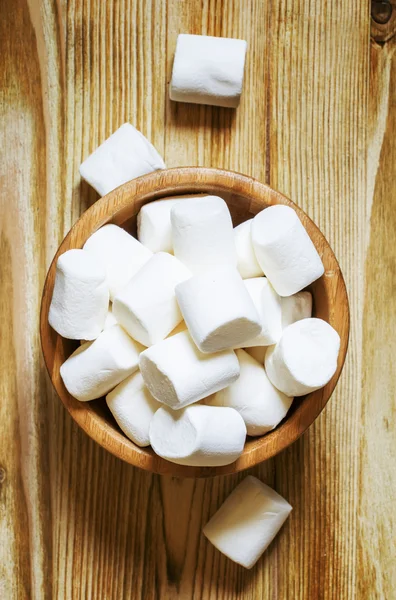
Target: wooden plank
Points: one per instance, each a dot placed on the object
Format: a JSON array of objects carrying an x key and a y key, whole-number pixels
[
  {"x": 377, "y": 482},
  {"x": 77, "y": 523},
  {"x": 318, "y": 158},
  {"x": 30, "y": 124}
]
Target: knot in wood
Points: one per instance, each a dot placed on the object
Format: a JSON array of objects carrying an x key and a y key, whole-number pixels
[
  {"x": 383, "y": 20},
  {"x": 381, "y": 11}
]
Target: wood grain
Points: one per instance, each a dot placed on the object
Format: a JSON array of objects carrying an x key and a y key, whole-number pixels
[
  {"x": 377, "y": 481},
  {"x": 316, "y": 122}
]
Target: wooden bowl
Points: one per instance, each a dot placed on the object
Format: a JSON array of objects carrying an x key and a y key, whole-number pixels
[{"x": 245, "y": 198}]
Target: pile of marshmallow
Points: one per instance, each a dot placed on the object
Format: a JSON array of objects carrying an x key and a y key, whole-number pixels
[
  {"x": 197, "y": 333},
  {"x": 197, "y": 347}
]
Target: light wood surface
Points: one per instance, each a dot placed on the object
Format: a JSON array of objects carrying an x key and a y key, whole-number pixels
[
  {"x": 317, "y": 121},
  {"x": 245, "y": 197}
]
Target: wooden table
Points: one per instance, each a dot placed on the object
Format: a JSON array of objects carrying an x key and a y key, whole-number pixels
[{"x": 318, "y": 122}]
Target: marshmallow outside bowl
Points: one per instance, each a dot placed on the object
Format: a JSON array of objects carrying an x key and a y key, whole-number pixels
[{"x": 245, "y": 198}]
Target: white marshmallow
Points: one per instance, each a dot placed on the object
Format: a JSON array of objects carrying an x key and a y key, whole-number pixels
[
  {"x": 296, "y": 307},
  {"x": 147, "y": 307},
  {"x": 97, "y": 367},
  {"x": 120, "y": 254},
  {"x": 258, "y": 353},
  {"x": 247, "y": 522},
  {"x": 202, "y": 233},
  {"x": 284, "y": 250},
  {"x": 218, "y": 310},
  {"x": 154, "y": 224},
  {"x": 80, "y": 298},
  {"x": 305, "y": 358},
  {"x": 133, "y": 407},
  {"x": 109, "y": 321},
  {"x": 268, "y": 305},
  {"x": 199, "y": 436},
  {"x": 247, "y": 261},
  {"x": 178, "y": 374},
  {"x": 208, "y": 70},
  {"x": 258, "y": 402},
  {"x": 126, "y": 154}
]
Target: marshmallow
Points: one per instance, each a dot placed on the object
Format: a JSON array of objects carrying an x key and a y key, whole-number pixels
[
  {"x": 296, "y": 307},
  {"x": 126, "y": 154},
  {"x": 178, "y": 374},
  {"x": 259, "y": 403},
  {"x": 218, "y": 310},
  {"x": 198, "y": 436},
  {"x": 247, "y": 522},
  {"x": 147, "y": 307},
  {"x": 268, "y": 305},
  {"x": 154, "y": 225},
  {"x": 284, "y": 250},
  {"x": 305, "y": 358},
  {"x": 120, "y": 254},
  {"x": 258, "y": 353},
  {"x": 133, "y": 407},
  {"x": 109, "y": 321},
  {"x": 208, "y": 70},
  {"x": 247, "y": 261},
  {"x": 97, "y": 367},
  {"x": 80, "y": 298},
  {"x": 202, "y": 233}
]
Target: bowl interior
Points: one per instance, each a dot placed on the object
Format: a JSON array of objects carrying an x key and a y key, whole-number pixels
[{"x": 245, "y": 198}]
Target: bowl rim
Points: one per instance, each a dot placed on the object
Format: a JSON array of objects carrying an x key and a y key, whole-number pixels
[{"x": 109, "y": 208}]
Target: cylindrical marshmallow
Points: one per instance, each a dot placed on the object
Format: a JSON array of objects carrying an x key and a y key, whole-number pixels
[
  {"x": 218, "y": 310},
  {"x": 147, "y": 307},
  {"x": 296, "y": 307},
  {"x": 178, "y": 374},
  {"x": 268, "y": 305},
  {"x": 109, "y": 321},
  {"x": 97, "y": 367},
  {"x": 202, "y": 233},
  {"x": 258, "y": 402},
  {"x": 208, "y": 70},
  {"x": 80, "y": 298},
  {"x": 305, "y": 358},
  {"x": 247, "y": 261},
  {"x": 247, "y": 522},
  {"x": 154, "y": 224},
  {"x": 120, "y": 254},
  {"x": 199, "y": 436},
  {"x": 133, "y": 407},
  {"x": 126, "y": 154},
  {"x": 284, "y": 250}
]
